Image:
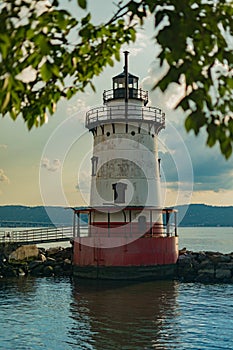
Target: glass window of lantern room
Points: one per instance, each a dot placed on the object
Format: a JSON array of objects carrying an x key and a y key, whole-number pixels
[
  {"x": 131, "y": 83},
  {"x": 135, "y": 83},
  {"x": 121, "y": 83}
]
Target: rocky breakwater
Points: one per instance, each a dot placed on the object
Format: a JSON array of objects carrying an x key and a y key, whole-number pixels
[
  {"x": 205, "y": 267},
  {"x": 34, "y": 261}
]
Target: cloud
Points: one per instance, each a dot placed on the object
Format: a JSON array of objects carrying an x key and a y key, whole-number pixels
[
  {"x": 78, "y": 109},
  {"x": 84, "y": 182},
  {"x": 51, "y": 166},
  {"x": 3, "y": 146},
  {"x": 211, "y": 171},
  {"x": 3, "y": 177}
]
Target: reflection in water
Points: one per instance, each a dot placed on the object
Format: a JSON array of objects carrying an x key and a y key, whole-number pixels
[
  {"x": 62, "y": 314},
  {"x": 17, "y": 287},
  {"x": 116, "y": 315}
]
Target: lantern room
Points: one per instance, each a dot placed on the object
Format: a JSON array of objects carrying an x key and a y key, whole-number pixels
[{"x": 125, "y": 87}]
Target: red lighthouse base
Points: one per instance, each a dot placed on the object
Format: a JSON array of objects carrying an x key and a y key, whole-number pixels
[{"x": 142, "y": 259}]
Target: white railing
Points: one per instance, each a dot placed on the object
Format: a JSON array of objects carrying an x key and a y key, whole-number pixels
[
  {"x": 120, "y": 113},
  {"x": 34, "y": 236}
]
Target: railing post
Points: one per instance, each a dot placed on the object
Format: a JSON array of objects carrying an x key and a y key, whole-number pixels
[
  {"x": 175, "y": 219},
  {"x": 74, "y": 223},
  {"x": 108, "y": 223},
  {"x": 130, "y": 219},
  {"x": 151, "y": 229},
  {"x": 89, "y": 231},
  {"x": 167, "y": 223},
  {"x": 78, "y": 225}
]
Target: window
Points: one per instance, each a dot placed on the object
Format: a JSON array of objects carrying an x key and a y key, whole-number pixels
[
  {"x": 94, "y": 161},
  {"x": 119, "y": 189}
]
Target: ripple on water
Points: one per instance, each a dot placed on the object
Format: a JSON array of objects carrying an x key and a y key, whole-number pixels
[{"x": 47, "y": 313}]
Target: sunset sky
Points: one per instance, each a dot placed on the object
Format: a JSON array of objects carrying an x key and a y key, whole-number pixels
[{"x": 50, "y": 165}]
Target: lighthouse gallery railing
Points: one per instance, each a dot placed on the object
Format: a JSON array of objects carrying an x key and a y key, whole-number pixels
[
  {"x": 88, "y": 228},
  {"x": 124, "y": 112}
]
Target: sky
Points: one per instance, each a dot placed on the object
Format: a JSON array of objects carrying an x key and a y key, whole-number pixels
[{"x": 51, "y": 165}]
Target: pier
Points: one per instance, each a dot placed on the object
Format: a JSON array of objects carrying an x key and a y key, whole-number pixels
[{"x": 37, "y": 235}]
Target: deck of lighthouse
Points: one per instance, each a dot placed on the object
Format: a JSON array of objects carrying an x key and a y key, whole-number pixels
[{"x": 121, "y": 113}]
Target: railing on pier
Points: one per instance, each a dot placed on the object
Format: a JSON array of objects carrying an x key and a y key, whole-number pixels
[
  {"x": 28, "y": 224},
  {"x": 37, "y": 236}
]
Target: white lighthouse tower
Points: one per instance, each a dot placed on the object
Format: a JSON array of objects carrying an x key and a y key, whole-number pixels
[{"x": 126, "y": 209}]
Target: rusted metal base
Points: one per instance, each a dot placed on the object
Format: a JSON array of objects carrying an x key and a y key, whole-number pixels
[
  {"x": 143, "y": 258},
  {"x": 142, "y": 273}
]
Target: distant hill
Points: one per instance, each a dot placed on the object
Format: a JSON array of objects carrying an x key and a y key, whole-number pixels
[
  {"x": 196, "y": 215},
  {"x": 205, "y": 215},
  {"x": 17, "y": 215}
]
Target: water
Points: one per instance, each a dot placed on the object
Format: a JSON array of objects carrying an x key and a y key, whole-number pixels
[
  {"x": 206, "y": 238},
  {"x": 66, "y": 314}
]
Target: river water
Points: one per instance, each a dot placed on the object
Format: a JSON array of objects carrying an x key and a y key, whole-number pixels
[{"x": 65, "y": 314}]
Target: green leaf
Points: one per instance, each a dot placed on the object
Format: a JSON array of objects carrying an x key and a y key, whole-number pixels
[
  {"x": 86, "y": 19},
  {"x": 6, "y": 101},
  {"x": 211, "y": 140},
  {"x": 82, "y": 4},
  {"x": 188, "y": 123},
  {"x": 226, "y": 148},
  {"x": 46, "y": 71},
  {"x": 55, "y": 70}
]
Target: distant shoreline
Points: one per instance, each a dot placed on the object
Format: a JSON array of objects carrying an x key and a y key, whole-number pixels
[{"x": 193, "y": 215}]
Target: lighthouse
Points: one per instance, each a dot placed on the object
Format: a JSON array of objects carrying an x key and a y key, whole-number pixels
[{"x": 129, "y": 234}]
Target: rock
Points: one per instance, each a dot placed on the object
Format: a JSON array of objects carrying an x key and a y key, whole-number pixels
[
  {"x": 206, "y": 264},
  {"x": 53, "y": 251},
  {"x": 9, "y": 271},
  {"x": 182, "y": 251},
  {"x": 37, "y": 270},
  {"x": 48, "y": 271},
  {"x": 205, "y": 275},
  {"x": 185, "y": 260},
  {"x": 223, "y": 274},
  {"x": 50, "y": 262},
  {"x": 206, "y": 271},
  {"x": 61, "y": 254},
  {"x": 42, "y": 257},
  {"x": 50, "y": 259},
  {"x": 58, "y": 270},
  {"x": 21, "y": 272},
  {"x": 33, "y": 264},
  {"x": 227, "y": 266},
  {"x": 201, "y": 256},
  {"x": 217, "y": 258},
  {"x": 67, "y": 261},
  {"x": 24, "y": 252},
  {"x": 209, "y": 253}
]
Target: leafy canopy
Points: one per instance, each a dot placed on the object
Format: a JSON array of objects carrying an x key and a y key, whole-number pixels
[{"x": 61, "y": 55}]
